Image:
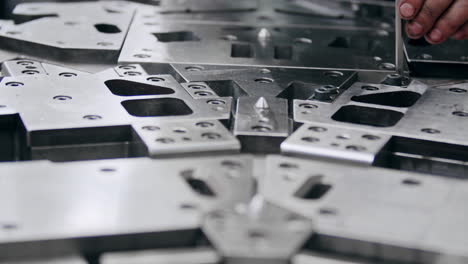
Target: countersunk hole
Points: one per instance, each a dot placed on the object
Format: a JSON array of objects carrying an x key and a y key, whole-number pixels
[
  {"x": 411, "y": 182},
  {"x": 264, "y": 80},
  {"x": 105, "y": 44},
  {"x": 180, "y": 130},
  {"x": 216, "y": 102},
  {"x": 197, "y": 86},
  {"x": 62, "y": 97},
  {"x": 24, "y": 63},
  {"x": 204, "y": 124},
  {"x": 155, "y": 79},
  {"x": 457, "y": 90},
  {"x": 318, "y": 129},
  {"x": 92, "y": 117},
  {"x": 229, "y": 37},
  {"x": 343, "y": 137},
  {"x": 256, "y": 234},
  {"x": 334, "y": 74},
  {"x": 151, "y": 128},
  {"x": 371, "y": 137},
  {"x": 356, "y": 148},
  {"x": 142, "y": 56},
  {"x": 430, "y": 131},
  {"x": 132, "y": 73},
  {"x": 194, "y": 68},
  {"x": 460, "y": 113},
  {"x": 261, "y": 128},
  {"x": 369, "y": 88},
  {"x": 14, "y": 84},
  {"x": 203, "y": 93},
  {"x": 211, "y": 136},
  {"x": 328, "y": 211},
  {"x": 10, "y": 226},
  {"x": 165, "y": 140},
  {"x": 387, "y": 66},
  {"x": 308, "y": 106},
  {"x": 108, "y": 169},
  {"x": 67, "y": 74},
  {"x": 287, "y": 165},
  {"x": 188, "y": 206},
  {"x": 310, "y": 139},
  {"x": 303, "y": 41},
  {"x": 127, "y": 67},
  {"x": 231, "y": 164},
  {"x": 30, "y": 72}
]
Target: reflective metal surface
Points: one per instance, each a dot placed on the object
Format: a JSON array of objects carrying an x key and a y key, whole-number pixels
[{"x": 211, "y": 131}]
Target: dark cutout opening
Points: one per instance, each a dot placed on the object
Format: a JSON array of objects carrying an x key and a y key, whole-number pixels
[
  {"x": 395, "y": 99},
  {"x": 424, "y": 156},
  {"x": 157, "y": 107},
  {"x": 298, "y": 90},
  {"x": 241, "y": 50},
  {"x": 284, "y": 52},
  {"x": 339, "y": 42},
  {"x": 107, "y": 28},
  {"x": 313, "y": 189},
  {"x": 200, "y": 187},
  {"x": 367, "y": 116},
  {"x": 179, "y": 36},
  {"x": 129, "y": 88}
]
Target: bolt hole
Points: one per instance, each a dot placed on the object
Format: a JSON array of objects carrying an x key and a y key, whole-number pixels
[
  {"x": 371, "y": 137},
  {"x": 264, "y": 80},
  {"x": 151, "y": 128},
  {"x": 310, "y": 139},
  {"x": 430, "y": 131},
  {"x": 318, "y": 129},
  {"x": 204, "y": 124},
  {"x": 411, "y": 182},
  {"x": 165, "y": 140}
]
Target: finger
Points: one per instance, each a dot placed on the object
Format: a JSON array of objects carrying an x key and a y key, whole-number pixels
[
  {"x": 409, "y": 8},
  {"x": 425, "y": 19},
  {"x": 462, "y": 33},
  {"x": 450, "y": 22}
]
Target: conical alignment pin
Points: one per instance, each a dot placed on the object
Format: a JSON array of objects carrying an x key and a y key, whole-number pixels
[
  {"x": 262, "y": 103},
  {"x": 264, "y": 34}
]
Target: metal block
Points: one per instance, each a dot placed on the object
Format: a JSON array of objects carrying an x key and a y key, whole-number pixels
[
  {"x": 57, "y": 260},
  {"x": 103, "y": 206},
  {"x": 388, "y": 214},
  {"x": 181, "y": 138},
  {"x": 174, "y": 256},
  {"x": 336, "y": 143},
  {"x": 257, "y": 233},
  {"x": 233, "y": 44},
  {"x": 261, "y": 123}
]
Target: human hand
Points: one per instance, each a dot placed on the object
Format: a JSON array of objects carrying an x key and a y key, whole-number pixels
[{"x": 436, "y": 20}]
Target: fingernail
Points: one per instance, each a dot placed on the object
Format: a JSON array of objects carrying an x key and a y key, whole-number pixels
[
  {"x": 415, "y": 29},
  {"x": 436, "y": 35},
  {"x": 407, "y": 10}
]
